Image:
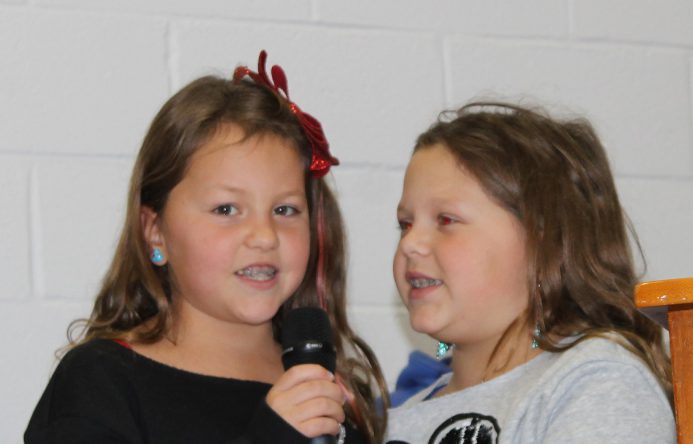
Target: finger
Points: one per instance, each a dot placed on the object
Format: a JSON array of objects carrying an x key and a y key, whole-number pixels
[
  {"x": 314, "y": 408},
  {"x": 319, "y": 426},
  {"x": 315, "y": 389},
  {"x": 284, "y": 401},
  {"x": 319, "y": 407},
  {"x": 302, "y": 373}
]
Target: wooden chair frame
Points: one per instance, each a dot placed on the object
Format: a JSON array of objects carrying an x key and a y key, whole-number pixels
[{"x": 676, "y": 297}]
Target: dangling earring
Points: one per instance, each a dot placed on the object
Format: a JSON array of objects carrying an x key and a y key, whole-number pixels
[
  {"x": 536, "y": 334},
  {"x": 443, "y": 348},
  {"x": 157, "y": 257}
]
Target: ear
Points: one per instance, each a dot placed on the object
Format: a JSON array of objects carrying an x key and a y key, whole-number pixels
[{"x": 150, "y": 222}]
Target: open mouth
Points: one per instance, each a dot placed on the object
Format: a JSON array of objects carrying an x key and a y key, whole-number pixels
[
  {"x": 258, "y": 273},
  {"x": 424, "y": 282}
]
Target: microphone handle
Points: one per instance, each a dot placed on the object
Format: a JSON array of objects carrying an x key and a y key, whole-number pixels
[{"x": 324, "y": 439}]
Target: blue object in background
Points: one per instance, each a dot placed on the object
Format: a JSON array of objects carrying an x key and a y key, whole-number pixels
[{"x": 421, "y": 371}]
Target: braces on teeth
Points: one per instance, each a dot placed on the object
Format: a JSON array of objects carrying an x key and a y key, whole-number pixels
[
  {"x": 257, "y": 273},
  {"x": 423, "y": 283}
]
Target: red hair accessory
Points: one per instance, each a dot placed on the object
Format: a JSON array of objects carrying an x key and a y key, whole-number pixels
[{"x": 321, "y": 160}]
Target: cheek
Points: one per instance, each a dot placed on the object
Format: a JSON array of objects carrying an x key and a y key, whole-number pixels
[
  {"x": 398, "y": 270},
  {"x": 478, "y": 276},
  {"x": 463, "y": 261},
  {"x": 506, "y": 280},
  {"x": 298, "y": 246},
  {"x": 197, "y": 252},
  {"x": 194, "y": 263},
  {"x": 202, "y": 248},
  {"x": 510, "y": 265}
]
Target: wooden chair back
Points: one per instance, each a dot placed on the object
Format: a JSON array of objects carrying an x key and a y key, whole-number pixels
[{"x": 676, "y": 297}]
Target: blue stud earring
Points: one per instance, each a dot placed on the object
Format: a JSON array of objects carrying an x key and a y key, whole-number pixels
[
  {"x": 443, "y": 348},
  {"x": 157, "y": 256}
]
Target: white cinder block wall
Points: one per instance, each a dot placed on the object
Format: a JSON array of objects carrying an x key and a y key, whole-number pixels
[{"x": 80, "y": 81}]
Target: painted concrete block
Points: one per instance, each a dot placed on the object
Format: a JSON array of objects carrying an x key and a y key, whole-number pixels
[
  {"x": 633, "y": 96},
  {"x": 79, "y": 83},
  {"x": 81, "y": 210},
  {"x": 662, "y": 216},
  {"x": 267, "y": 9},
  {"x": 641, "y": 21},
  {"x": 372, "y": 91},
  {"x": 368, "y": 199},
  {"x": 15, "y": 240},
  {"x": 546, "y": 18}
]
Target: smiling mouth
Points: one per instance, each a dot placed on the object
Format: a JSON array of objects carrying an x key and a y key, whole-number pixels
[
  {"x": 424, "y": 282},
  {"x": 258, "y": 273}
]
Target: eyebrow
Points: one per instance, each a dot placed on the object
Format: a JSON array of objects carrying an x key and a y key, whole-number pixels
[
  {"x": 434, "y": 202},
  {"x": 285, "y": 194}
]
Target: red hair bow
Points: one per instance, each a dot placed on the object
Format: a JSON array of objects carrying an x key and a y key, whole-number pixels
[{"x": 321, "y": 160}]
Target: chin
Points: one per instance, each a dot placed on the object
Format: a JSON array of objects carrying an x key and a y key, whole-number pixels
[
  {"x": 423, "y": 324},
  {"x": 260, "y": 315}
]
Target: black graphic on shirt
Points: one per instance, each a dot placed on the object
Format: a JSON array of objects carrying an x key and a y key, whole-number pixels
[
  {"x": 464, "y": 428},
  {"x": 467, "y": 428}
]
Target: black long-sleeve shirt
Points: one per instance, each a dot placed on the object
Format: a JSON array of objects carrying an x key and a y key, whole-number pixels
[{"x": 103, "y": 392}]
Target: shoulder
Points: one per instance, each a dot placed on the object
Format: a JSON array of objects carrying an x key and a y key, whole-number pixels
[
  {"x": 95, "y": 349},
  {"x": 597, "y": 354},
  {"x": 600, "y": 386},
  {"x": 89, "y": 394},
  {"x": 93, "y": 367},
  {"x": 91, "y": 377},
  {"x": 98, "y": 356},
  {"x": 600, "y": 359}
]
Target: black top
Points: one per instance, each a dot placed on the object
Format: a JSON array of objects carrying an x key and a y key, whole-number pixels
[{"x": 103, "y": 392}]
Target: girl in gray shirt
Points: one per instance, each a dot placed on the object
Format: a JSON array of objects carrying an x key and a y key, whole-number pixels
[{"x": 514, "y": 255}]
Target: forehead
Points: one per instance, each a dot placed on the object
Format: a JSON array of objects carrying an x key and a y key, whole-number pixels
[
  {"x": 436, "y": 181},
  {"x": 229, "y": 156},
  {"x": 231, "y": 135},
  {"x": 435, "y": 168},
  {"x": 436, "y": 176}
]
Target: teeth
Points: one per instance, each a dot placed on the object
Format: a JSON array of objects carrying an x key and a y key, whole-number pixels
[
  {"x": 258, "y": 273},
  {"x": 423, "y": 283}
]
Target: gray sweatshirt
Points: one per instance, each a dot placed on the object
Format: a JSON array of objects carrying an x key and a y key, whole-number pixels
[{"x": 595, "y": 392}]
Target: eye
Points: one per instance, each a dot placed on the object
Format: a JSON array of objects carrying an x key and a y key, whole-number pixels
[
  {"x": 286, "y": 210},
  {"x": 226, "y": 210},
  {"x": 403, "y": 225},
  {"x": 445, "y": 220}
]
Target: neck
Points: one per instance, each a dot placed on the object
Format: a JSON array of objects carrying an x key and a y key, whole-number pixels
[
  {"x": 474, "y": 364},
  {"x": 219, "y": 348}
]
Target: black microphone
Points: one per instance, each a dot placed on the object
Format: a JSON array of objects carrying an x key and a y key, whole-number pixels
[{"x": 307, "y": 339}]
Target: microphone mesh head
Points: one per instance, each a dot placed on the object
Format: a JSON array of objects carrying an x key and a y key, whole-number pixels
[{"x": 306, "y": 324}]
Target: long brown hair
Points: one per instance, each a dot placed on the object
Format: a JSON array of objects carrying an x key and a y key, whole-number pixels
[
  {"x": 554, "y": 176},
  {"x": 134, "y": 303}
]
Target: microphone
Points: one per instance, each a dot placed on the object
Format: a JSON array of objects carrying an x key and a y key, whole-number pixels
[{"x": 307, "y": 339}]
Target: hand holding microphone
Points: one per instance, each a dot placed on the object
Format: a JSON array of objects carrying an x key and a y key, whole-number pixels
[{"x": 306, "y": 395}]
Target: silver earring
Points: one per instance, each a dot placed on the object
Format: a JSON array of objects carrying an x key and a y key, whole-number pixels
[
  {"x": 536, "y": 334},
  {"x": 443, "y": 348}
]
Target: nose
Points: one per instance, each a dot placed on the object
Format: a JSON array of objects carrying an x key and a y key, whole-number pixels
[
  {"x": 262, "y": 234},
  {"x": 416, "y": 240}
]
